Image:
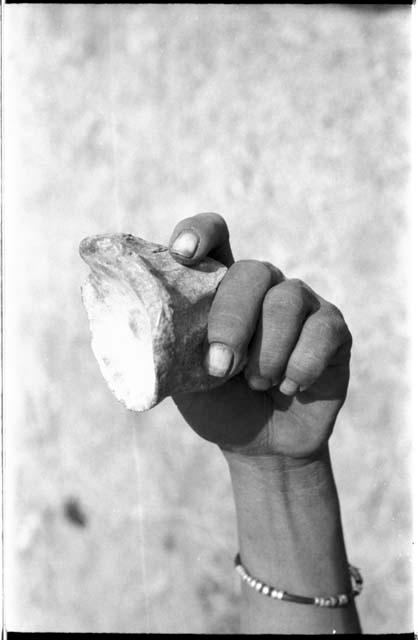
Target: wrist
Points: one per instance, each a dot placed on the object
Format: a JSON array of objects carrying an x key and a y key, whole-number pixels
[
  {"x": 279, "y": 469},
  {"x": 289, "y": 524}
]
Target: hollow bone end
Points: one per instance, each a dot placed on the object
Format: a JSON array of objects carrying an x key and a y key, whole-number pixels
[
  {"x": 122, "y": 342},
  {"x": 148, "y": 318}
]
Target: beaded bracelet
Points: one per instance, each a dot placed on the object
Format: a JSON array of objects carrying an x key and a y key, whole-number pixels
[{"x": 339, "y": 600}]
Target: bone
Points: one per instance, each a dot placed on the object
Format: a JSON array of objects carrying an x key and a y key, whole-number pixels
[{"x": 148, "y": 318}]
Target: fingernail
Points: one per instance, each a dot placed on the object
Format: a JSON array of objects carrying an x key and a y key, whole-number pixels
[
  {"x": 258, "y": 383},
  {"x": 288, "y": 387},
  {"x": 185, "y": 244},
  {"x": 219, "y": 359}
]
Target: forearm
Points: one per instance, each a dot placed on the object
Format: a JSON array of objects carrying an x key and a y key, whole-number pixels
[{"x": 290, "y": 537}]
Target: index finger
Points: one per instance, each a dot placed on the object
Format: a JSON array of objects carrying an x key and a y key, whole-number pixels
[{"x": 205, "y": 234}]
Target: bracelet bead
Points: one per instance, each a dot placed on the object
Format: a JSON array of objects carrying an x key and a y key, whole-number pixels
[{"x": 340, "y": 600}]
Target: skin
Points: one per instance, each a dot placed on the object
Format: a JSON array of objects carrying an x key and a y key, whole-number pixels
[{"x": 284, "y": 353}]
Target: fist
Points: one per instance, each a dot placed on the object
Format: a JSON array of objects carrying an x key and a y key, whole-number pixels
[{"x": 282, "y": 351}]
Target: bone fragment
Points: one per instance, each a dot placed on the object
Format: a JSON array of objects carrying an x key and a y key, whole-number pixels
[{"x": 148, "y": 318}]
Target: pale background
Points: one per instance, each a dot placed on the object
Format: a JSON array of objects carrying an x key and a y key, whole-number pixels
[{"x": 292, "y": 122}]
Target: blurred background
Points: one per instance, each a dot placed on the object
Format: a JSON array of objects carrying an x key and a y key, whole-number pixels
[{"x": 291, "y": 121}]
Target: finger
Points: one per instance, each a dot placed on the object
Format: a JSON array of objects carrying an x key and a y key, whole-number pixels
[
  {"x": 284, "y": 311},
  {"x": 234, "y": 313},
  {"x": 322, "y": 337},
  {"x": 205, "y": 234}
]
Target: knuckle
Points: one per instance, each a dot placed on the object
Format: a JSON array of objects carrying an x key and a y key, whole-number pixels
[
  {"x": 252, "y": 267},
  {"x": 229, "y": 328},
  {"x": 186, "y": 223},
  {"x": 296, "y": 282},
  {"x": 334, "y": 326},
  {"x": 278, "y": 275},
  {"x": 304, "y": 370},
  {"x": 215, "y": 221},
  {"x": 286, "y": 294},
  {"x": 216, "y": 218},
  {"x": 266, "y": 366},
  {"x": 334, "y": 312},
  {"x": 294, "y": 287},
  {"x": 248, "y": 264}
]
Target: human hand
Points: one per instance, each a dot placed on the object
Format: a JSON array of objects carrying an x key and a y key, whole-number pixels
[{"x": 282, "y": 350}]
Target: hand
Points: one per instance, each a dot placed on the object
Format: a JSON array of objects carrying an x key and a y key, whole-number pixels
[{"x": 282, "y": 350}]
